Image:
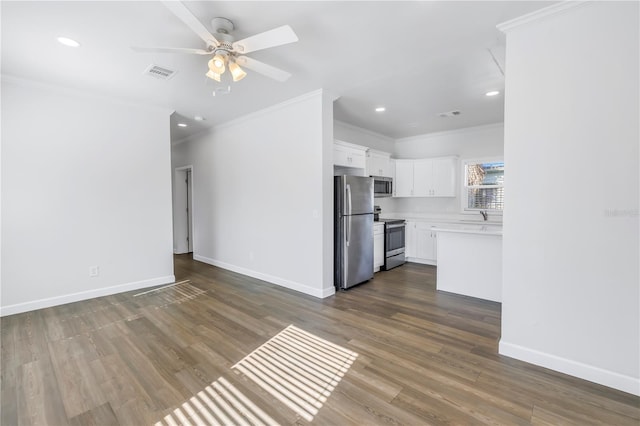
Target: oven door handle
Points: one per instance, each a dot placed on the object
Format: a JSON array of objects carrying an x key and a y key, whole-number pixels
[{"x": 402, "y": 225}]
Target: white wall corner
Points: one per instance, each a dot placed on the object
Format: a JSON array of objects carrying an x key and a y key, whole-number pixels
[
  {"x": 192, "y": 136},
  {"x": 554, "y": 9},
  {"x": 327, "y": 292},
  {"x": 269, "y": 109},
  {"x": 573, "y": 368},
  {"x": 271, "y": 279}
]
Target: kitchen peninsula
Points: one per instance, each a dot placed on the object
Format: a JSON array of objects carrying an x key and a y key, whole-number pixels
[{"x": 470, "y": 260}]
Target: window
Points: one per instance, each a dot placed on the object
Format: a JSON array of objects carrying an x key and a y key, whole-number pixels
[{"x": 483, "y": 186}]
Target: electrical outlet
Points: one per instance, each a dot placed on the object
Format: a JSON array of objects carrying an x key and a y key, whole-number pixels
[
  {"x": 94, "y": 271},
  {"x": 251, "y": 255}
]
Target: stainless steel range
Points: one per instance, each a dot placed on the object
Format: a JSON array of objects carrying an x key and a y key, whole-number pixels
[{"x": 394, "y": 243}]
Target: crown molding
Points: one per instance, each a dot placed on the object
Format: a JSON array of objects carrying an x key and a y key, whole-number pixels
[
  {"x": 269, "y": 109},
  {"x": 252, "y": 115},
  {"x": 193, "y": 136},
  {"x": 79, "y": 93},
  {"x": 540, "y": 14},
  {"x": 451, "y": 132},
  {"x": 363, "y": 130}
]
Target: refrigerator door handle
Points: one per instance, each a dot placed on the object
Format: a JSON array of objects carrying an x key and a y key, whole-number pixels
[
  {"x": 349, "y": 199},
  {"x": 348, "y": 230}
]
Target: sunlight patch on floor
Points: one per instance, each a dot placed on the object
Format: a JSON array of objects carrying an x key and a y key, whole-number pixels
[
  {"x": 220, "y": 403},
  {"x": 168, "y": 295},
  {"x": 298, "y": 368}
]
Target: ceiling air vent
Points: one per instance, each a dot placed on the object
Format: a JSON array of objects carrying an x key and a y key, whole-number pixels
[
  {"x": 449, "y": 114},
  {"x": 159, "y": 72}
]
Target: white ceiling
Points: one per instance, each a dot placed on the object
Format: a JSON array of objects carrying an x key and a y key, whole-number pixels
[{"x": 416, "y": 58}]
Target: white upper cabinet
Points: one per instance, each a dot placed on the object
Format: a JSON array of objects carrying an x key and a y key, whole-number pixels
[
  {"x": 349, "y": 155},
  {"x": 427, "y": 177},
  {"x": 422, "y": 178},
  {"x": 379, "y": 163},
  {"x": 403, "y": 181},
  {"x": 444, "y": 176}
]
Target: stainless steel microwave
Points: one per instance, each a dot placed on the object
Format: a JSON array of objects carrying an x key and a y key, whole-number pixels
[{"x": 382, "y": 186}]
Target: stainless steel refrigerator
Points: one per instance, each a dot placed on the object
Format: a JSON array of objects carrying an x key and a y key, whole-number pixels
[{"x": 353, "y": 234}]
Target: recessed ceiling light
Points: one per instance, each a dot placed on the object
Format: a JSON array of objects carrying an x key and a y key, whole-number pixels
[
  {"x": 492, "y": 93},
  {"x": 68, "y": 42},
  {"x": 199, "y": 118},
  {"x": 381, "y": 109},
  {"x": 182, "y": 125}
]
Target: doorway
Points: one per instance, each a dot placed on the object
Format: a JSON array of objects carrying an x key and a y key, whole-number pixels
[{"x": 183, "y": 210}]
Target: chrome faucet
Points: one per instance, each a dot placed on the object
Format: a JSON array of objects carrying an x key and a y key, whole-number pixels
[{"x": 484, "y": 214}]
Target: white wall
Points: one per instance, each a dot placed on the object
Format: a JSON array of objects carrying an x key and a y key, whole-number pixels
[
  {"x": 359, "y": 136},
  {"x": 262, "y": 194},
  {"x": 473, "y": 142},
  {"x": 571, "y": 283},
  {"x": 85, "y": 182},
  {"x": 470, "y": 142}
]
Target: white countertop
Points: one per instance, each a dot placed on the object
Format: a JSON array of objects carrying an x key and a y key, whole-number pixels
[
  {"x": 458, "y": 219},
  {"x": 470, "y": 228}
]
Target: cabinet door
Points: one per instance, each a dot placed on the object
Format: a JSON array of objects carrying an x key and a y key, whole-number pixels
[
  {"x": 373, "y": 165},
  {"x": 444, "y": 177},
  {"x": 340, "y": 157},
  {"x": 422, "y": 178},
  {"x": 378, "y": 250},
  {"x": 357, "y": 159},
  {"x": 425, "y": 242},
  {"x": 403, "y": 181},
  {"x": 410, "y": 239},
  {"x": 346, "y": 157},
  {"x": 384, "y": 165},
  {"x": 379, "y": 165}
]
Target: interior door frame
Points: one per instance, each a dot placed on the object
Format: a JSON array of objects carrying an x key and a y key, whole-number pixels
[{"x": 183, "y": 217}]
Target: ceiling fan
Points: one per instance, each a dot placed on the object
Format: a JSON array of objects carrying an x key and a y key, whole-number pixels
[{"x": 224, "y": 50}]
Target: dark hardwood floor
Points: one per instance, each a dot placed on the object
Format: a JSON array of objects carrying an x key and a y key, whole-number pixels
[{"x": 185, "y": 355}]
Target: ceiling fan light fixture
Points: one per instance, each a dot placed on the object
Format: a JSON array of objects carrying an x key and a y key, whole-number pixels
[
  {"x": 213, "y": 76},
  {"x": 236, "y": 72},
  {"x": 216, "y": 64}
]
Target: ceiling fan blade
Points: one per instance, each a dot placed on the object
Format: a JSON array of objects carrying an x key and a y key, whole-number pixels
[
  {"x": 275, "y": 37},
  {"x": 262, "y": 68},
  {"x": 185, "y": 15},
  {"x": 170, "y": 50}
]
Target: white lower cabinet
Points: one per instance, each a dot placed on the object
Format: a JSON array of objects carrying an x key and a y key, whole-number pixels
[
  {"x": 421, "y": 242},
  {"x": 378, "y": 246}
]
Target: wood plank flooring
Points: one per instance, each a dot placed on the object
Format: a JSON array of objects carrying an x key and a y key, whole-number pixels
[{"x": 165, "y": 357}]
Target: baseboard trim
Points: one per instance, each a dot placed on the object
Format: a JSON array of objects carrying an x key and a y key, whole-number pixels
[
  {"x": 421, "y": 261},
  {"x": 320, "y": 293},
  {"x": 19, "y": 308},
  {"x": 573, "y": 368}
]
